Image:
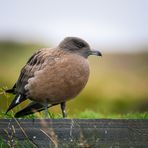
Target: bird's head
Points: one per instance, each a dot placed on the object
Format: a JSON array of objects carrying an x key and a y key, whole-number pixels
[{"x": 78, "y": 46}]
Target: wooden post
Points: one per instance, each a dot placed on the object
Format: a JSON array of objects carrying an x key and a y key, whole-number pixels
[{"x": 106, "y": 133}]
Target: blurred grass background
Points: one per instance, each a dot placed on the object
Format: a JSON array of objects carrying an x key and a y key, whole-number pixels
[{"x": 118, "y": 82}]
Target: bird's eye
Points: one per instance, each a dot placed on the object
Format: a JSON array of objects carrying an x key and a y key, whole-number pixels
[{"x": 78, "y": 44}]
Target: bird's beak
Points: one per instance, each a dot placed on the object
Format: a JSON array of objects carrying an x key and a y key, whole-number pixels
[{"x": 95, "y": 52}]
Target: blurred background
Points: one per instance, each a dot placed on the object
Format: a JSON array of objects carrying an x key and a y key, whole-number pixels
[{"x": 119, "y": 29}]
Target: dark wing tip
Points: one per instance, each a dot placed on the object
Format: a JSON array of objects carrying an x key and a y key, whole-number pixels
[
  {"x": 30, "y": 109},
  {"x": 19, "y": 114}
]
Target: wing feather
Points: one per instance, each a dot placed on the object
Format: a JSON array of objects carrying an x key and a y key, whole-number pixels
[{"x": 36, "y": 62}]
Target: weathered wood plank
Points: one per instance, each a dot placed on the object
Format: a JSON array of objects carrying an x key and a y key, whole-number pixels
[{"x": 75, "y": 132}]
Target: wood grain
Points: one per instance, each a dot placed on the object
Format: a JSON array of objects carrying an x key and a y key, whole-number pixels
[{"x": 104, "y": 133}]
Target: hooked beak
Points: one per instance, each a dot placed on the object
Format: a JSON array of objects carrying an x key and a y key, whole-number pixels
[{"x": 95, "y": 52}]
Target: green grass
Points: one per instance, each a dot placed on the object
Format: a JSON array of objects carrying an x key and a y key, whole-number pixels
[
  {"x": 87, "y": 114},
  {"x": 39, "y": 115}
]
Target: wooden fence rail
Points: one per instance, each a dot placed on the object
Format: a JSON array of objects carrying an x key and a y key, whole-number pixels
[{"x": 62, "y": 133}]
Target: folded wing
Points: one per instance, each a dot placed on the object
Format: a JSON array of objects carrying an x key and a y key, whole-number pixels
[{"x": 35, "y": 63}]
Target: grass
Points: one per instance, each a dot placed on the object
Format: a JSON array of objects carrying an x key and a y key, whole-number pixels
[
  {"x": 2, "y": 143},
  {"x": 87, "y": 114},
  {"x": 14, "y": 143},
  {"x": 39, "y": 115}
]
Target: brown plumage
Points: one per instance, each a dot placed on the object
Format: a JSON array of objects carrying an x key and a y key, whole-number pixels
[{"x": 53, "y": 76}]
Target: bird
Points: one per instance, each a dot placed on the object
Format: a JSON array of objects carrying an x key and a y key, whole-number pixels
[{"x": 53, "y": 76}]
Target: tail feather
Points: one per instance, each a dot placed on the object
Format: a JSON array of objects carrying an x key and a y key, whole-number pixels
[
  {"x": 33, "y": 107},
  {"x": 12, "y": 90},
  {"x": 17, "y": 100}
]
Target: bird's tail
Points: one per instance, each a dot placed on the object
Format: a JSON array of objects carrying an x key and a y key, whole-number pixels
[
  {"x": 31, "y": 108},
  {"x": 17, "y": 100},
  {"x": 12, "y": 90},
  {"x": 9, "y": 91}
]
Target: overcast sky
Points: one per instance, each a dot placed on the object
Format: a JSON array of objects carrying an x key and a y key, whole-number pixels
[{"x": 108, "y": 24}]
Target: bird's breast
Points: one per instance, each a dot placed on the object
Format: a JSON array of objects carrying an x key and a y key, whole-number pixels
[{"x": 62, "y": 79}]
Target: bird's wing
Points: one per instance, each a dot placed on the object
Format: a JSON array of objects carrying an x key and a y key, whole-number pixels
[
  {"x": 33, "y": 107},
  {"x": 36, "y": 62}
]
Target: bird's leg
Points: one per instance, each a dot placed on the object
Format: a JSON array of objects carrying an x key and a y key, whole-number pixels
[
  {"x": 46, "y": 110},
  {"x": 63, "y": 106}
]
